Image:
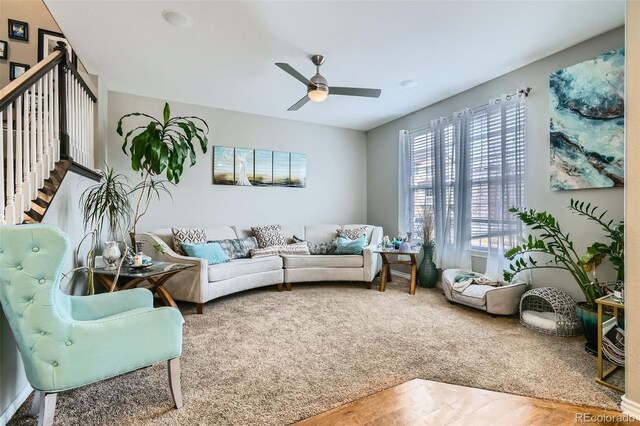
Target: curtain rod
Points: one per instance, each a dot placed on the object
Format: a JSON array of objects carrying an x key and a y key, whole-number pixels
[{"x": 520, "y": 92}]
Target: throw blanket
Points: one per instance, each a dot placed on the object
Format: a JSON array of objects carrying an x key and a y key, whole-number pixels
[{"x": 463, "y": 281}]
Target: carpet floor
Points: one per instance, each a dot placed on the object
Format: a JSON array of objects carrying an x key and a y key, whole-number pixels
[{"x": 268, "y": 358}]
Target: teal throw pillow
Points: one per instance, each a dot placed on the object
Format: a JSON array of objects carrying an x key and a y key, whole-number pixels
[
  {"x": 347, "y": 246},
  {"x": 211, "y": 252}
]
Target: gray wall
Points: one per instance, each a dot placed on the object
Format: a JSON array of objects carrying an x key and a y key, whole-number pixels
[
  {"x": 65, "y": 214},
  {"x": 336, "y": 171},
  {"x": 382, "y": 154}
]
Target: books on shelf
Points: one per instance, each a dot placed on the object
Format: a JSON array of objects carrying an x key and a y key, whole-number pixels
[{"x": 613, "y": 341}]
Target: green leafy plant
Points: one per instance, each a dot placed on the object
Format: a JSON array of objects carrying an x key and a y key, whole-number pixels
[
  {"x": 161, "y": 146},
  {"x": 561, "y": 253},
  {"x": 106, "y": 202}
]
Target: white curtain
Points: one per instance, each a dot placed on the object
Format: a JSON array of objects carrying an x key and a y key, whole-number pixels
[
  {"x": 452, "y": 185},
  {"x": 505, "y": 177},
  {"x": 405, "y": 195}
]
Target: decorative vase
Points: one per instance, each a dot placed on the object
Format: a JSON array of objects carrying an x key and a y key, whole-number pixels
[
  {"x": 589, "y": 319},
  {"x": 427, "y": 272},
  {"x": 111, "y": 254},
  {"x": 405, "y": 246}
]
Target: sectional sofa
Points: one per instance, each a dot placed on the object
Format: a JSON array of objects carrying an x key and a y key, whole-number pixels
[{"x": 204, "y": 282}]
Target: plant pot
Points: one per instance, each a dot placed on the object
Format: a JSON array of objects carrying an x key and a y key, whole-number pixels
[
  {"x": 589, "y": 318},
  {"x": 427, "y": 272}
]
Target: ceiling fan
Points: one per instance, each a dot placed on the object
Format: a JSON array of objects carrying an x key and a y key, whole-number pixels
[{"x": 317, "y": 88}]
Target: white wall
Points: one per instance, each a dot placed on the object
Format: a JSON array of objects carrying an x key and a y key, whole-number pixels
[
  {"x": 64, "y": 213},
  {"x": 336, "y": 170},
  {"x": 382, "y": 154}
]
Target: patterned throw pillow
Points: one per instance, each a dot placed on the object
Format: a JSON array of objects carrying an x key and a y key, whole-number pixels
[
  {"x": 188, "y": 236},
  {"x": 237, "y": 249},
  {"x": 268, "y": 236},
  {"x": 295, "y": 248},
  {"x": 352, "y": 233},
  {"x": 323, "y": 248}
]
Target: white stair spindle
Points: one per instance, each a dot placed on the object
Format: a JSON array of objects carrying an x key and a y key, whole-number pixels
[
  {"x": 9, "y": 194},
  {"x": 56, "y": 113},
  {"x": 19, "y": 197},
  {"x": 44, "y": 111},
  {"x": 40, "y": 134},
  {"x": 35, "y": 178},
  {"x": 28, "y": 188}
]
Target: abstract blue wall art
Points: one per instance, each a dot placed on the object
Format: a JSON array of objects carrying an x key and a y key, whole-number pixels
[{"x": 587, "y": 123}]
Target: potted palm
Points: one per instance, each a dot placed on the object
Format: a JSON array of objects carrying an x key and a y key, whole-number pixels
[
  {"x": 560, "y": 252},
  {"x": 106, "y": 202},
  {"x": 160, "y": 146}
]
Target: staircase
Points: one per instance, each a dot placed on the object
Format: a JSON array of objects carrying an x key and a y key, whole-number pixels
[{"x": 47, "y": 117}]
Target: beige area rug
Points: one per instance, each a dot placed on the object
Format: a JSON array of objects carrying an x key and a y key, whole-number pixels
[{"x": 267, "y": 358}]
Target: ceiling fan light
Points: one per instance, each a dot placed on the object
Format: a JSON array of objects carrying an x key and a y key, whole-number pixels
[{"x": 318, "y": 94}]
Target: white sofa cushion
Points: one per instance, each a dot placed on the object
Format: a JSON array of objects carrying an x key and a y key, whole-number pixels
[
  {"x": 318, "y": 234},
  {"x": 287, "y": 230},
  {"x": 239, "y": 267},
  {"x": 473, "y": 295},
  {"x": 323, "y": 261}
]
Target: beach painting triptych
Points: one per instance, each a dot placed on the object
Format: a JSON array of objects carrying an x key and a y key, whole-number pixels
[{"x": 258, "y": 167}]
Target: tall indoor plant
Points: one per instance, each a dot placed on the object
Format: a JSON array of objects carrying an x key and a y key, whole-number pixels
[
  {"x": 160, "y": 146},
  {"x": 561, "y": 253},
  {"x": 105, "y": 202},
  {"x": 427, "y": 272}
]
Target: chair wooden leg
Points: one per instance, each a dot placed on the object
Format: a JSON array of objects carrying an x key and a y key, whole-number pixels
[
  {"x": 35, "y": 405},
  {"x": 368, "y": 285},
  {"x": 279, "y": 286},
  {"x": 288, "y": 286},
  {"x": 47, "y": 409},
  {"x": 174, "y": 381},
  {"x": 199, "y": 308}
]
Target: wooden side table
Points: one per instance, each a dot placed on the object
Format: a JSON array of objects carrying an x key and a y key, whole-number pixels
[
  {"x": 602, "y": 373},
  {"x": 156, "y": 275},
  {"x": 386, "y": 272}
]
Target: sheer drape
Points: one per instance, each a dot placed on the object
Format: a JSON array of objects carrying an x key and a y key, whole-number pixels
[
  {"x": 505, "y": 177},
  {"x": 452, "y": 199},
  {"x": 405, "y": 195}
]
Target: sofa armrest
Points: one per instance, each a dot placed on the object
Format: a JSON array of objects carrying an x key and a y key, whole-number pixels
[
  {"x": 372, "y": 263},
  {"x": 505, "y": 300},
  {"x": 189, "y": 285}
]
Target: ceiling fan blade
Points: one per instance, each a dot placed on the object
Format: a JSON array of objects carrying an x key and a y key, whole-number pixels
[
  {"x": 299, "y": 104},
  {"x": 355, "y": 91},
  {"x": 292, "y": 72}
]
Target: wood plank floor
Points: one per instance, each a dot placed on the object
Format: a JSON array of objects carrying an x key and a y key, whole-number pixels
[{"x": 423, "y": 402}]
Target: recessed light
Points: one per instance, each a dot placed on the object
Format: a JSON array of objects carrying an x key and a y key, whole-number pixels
[
  {"x": 177, "y": 19},
  {"x": 407, "y": 84}
]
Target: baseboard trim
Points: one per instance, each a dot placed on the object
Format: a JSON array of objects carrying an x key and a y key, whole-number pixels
[
  {"x": 629, "y": 407},
  {"x": 408, "y": 277},
  {"x": 15, "y": 405},
  {"x": 401, "y": 274}
]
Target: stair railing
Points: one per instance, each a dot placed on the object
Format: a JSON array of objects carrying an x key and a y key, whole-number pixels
[{"x": 47, "y": 115}]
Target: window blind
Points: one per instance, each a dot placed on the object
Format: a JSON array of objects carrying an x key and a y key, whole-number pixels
[{"x": 497, "y": 153}]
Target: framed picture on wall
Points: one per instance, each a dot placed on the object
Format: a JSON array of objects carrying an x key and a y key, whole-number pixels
[
  {"x": 48, "y": 40},
  {"x": 18, "y": 30},
  {"x": 16, "y": 70},
  {"x": 4, "y": 49}
]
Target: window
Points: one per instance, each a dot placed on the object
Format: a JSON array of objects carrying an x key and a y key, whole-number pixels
[{"x": 497, "y": 158}]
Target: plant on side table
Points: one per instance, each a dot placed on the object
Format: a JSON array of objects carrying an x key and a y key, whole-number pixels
[
  {"x": 107, "y": 201},
  {"x": 561, "y": 252},
  {"x": 160, "y": 146}
]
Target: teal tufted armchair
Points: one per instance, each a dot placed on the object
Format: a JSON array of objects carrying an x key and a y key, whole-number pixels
[{"x": 70, "y": 341}]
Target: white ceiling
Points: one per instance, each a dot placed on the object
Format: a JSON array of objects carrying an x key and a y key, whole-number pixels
[{"x": 226, "y": 59}]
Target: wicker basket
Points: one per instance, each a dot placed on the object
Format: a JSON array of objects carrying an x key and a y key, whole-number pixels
[{"x": 553, "y": 301}]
